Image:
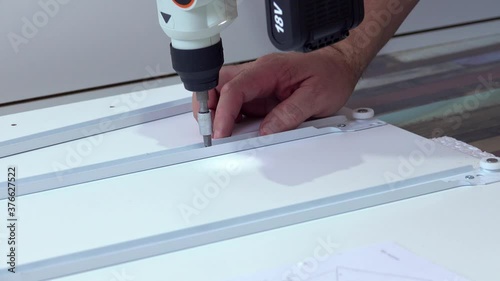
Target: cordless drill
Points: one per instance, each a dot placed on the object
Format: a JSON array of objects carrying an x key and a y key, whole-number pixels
[{"x": 194, "y": 27}]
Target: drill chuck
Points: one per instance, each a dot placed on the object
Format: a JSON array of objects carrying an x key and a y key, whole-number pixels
[{"x": 198, "y": 68}]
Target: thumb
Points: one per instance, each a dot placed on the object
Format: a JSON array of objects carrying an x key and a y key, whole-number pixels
[{"x": 290, "y": 113}]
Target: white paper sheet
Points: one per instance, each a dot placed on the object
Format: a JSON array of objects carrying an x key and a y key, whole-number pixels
[{"x": 381, "y": 262}]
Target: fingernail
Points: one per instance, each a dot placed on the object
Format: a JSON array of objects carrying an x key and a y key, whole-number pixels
[
  {"x": 267, "y": 131},
  {"x": 264, "y": 132}
]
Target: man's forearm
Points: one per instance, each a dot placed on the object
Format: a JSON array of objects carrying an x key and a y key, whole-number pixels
[{"x": 382, "y": 20}]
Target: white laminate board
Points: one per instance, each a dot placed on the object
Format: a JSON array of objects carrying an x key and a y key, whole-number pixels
[
  {"x": 180, "y": 130},
  {"x": 149, "y": 203},
  {"x": 456, "y": 229},
  {"x": 50, "y": 118}
]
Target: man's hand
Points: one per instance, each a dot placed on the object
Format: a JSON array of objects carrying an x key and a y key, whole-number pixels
[
  {"x": 290, "y": 88},
  {"x": 285, "y": 88}
]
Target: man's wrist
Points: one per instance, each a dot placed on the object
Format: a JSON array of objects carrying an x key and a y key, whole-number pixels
[
  {"x": 363, "y": 44},
  {"x": 351, "y": 58}
]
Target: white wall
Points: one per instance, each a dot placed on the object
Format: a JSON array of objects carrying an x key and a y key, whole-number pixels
[
  {"x": 438, "y": 13},
  {"x": 95, "y": 42},
  {"x": 100, "y": 42}
]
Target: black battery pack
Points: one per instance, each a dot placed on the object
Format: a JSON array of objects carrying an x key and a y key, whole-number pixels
[{"x": 308, "y": 25}]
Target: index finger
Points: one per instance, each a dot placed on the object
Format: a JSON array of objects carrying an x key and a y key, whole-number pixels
[
  {"x": 259, "y": 80},
  {"x": 226, "y": 74}
]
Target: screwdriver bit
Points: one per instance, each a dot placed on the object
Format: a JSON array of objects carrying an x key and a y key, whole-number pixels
[{"x": 204, "y": 118}]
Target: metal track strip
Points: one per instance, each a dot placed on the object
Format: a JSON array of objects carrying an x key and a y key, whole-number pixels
[
  {"x": 140, "y": 163},
  {"x": 232, "y": 228},
  {"x": 94, "y": 127}
]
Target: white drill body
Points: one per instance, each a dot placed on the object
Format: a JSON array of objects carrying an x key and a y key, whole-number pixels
[
  {"x": 194, "y": 27},
  {"x": 197, "y": 24}
]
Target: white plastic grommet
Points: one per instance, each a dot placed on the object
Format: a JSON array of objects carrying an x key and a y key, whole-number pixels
[
  {"x": 363, "y": 113},
  {"x": 490, "y": 164}
]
